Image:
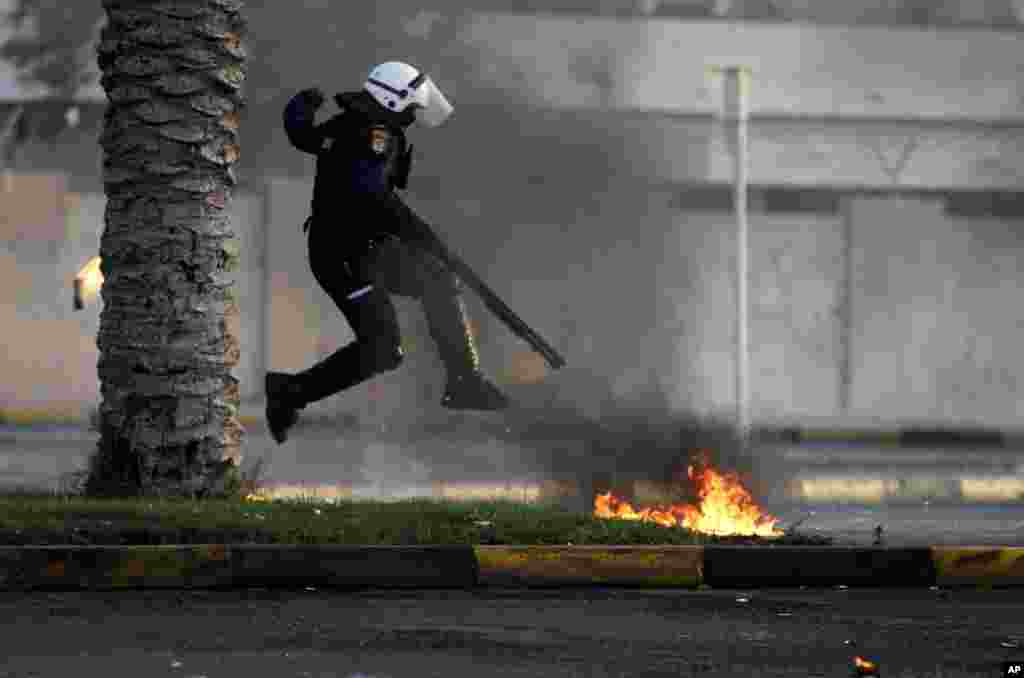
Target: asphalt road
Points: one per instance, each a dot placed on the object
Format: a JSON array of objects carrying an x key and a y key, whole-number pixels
[{"x": 640, "y": 634}]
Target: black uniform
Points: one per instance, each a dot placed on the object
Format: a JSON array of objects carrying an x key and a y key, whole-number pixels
[{"x": 366, "y": 243}]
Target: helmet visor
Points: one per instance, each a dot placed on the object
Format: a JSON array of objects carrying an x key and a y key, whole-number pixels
[{"x": 433, "y": 107}]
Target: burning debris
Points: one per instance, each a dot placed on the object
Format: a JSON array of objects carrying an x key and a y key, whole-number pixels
[
  {"x": 725, "y": 507},
  {"x": 864, "y": 667}
]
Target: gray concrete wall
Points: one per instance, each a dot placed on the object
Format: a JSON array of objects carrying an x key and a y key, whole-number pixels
[
  {"x": 48, "y": 350},
  {"x": 833, "y": 106},
  {"x": 936, "y": 314},
  {"x": 653, "y": 310},
  {"x": 799, "y": 70}
]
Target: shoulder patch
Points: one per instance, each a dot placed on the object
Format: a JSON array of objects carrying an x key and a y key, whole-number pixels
[{"x": 380, "y": 139}]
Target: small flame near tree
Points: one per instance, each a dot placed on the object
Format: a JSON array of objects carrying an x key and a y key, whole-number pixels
[
  {"x": 724, "y": 506},
  {"x": 87, "y": 283}
]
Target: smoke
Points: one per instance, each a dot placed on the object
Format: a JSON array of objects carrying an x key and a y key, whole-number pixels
[{"x": 389, "y": 472}]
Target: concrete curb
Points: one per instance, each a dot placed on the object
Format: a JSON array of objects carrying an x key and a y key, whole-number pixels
[
  {"x": 641, "y": 566},
  {"x": 735, "y": 567},
  {"x": 979, "y": 565},
  {"x": 295, "y": 566},
  {"x": 249, "y": 565}
]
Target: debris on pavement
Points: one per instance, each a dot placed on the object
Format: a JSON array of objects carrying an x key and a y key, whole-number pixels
[
  {"x": 865, "y": 667},
  {"x": 879, "y": 539}
]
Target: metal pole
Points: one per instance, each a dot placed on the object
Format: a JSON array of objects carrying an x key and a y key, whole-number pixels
[
  {"x": 846, "y": 335},
  {"x": 736, "y": 120}
]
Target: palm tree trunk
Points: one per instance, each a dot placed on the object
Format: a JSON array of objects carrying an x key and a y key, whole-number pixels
[{"x": 168, "y": 420}]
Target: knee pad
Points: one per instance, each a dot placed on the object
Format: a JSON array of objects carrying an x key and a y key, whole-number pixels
[{"x": 382, "y": 354}]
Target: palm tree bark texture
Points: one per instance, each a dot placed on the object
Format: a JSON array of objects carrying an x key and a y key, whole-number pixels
[{"x": 168, "y": 421}]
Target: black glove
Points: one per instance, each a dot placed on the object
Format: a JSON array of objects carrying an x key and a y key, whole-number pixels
[{"x": 313, "y": 97}]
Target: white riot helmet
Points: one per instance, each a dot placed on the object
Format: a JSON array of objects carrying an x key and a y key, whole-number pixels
[{"x": 397, "y": 85}]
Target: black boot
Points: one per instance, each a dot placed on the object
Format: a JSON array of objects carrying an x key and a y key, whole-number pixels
[
  {"x": 467, "y": 388},
  {"x": 284, "y": 400}
]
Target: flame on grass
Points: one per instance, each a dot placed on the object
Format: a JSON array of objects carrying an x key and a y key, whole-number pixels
[{"x": 724, "y": 507}]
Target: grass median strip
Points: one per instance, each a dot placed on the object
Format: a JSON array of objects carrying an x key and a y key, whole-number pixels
[{"x": 40, "y": 520}]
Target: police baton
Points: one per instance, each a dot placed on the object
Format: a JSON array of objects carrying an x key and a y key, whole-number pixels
[{"x": 495, "y": 305}]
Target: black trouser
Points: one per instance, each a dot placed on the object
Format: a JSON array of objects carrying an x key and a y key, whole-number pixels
[{"x": 360, "y": 278}]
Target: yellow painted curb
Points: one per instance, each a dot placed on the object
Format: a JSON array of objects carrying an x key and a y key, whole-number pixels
[
  {"x": 656, "y": 566},
  {"x": 978, "y": 565}
]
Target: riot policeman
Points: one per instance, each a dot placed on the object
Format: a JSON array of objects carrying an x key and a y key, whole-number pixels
[{"x": 365, "y": 244}]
